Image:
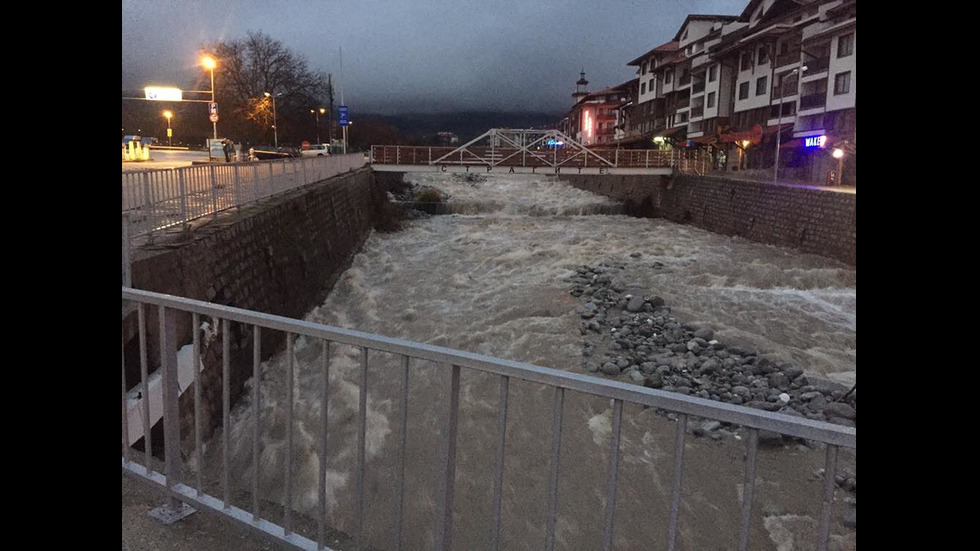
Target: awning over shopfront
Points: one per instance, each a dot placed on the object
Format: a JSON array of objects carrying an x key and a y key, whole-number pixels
[
  {"x": 753, "y": 135},
  {"x": 676, "y": 133},
  {"x": 642, "y": 138}
]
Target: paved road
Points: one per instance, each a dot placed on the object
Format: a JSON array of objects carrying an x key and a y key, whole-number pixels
[{"x": 167, "y": 159}]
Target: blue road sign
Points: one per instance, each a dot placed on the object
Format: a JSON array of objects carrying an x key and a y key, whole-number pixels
[{"x": 342, "y": 115}]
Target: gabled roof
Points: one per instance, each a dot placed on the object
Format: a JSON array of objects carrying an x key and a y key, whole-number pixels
[
  {"x": 666, "y": 47},
  {"x": 702, "y": 17}
]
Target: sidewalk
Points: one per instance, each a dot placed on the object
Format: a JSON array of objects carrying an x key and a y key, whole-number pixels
[{"x": 201, "y": 530}]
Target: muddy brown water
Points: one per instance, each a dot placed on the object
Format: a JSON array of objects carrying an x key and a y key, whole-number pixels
[{"x": 496, "y": 283}]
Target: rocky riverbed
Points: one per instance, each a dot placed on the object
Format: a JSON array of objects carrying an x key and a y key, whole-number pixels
[{"x": 629, "y": 332}]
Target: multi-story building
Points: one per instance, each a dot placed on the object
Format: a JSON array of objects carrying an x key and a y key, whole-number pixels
[
  {"x": 783, "y": 72},
  {"x": 595, "y": 116},
  {"x": 796, "y": 78}
]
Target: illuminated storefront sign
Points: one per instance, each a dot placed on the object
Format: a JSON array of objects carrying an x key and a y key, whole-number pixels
[{"x": 815, "y": 141}]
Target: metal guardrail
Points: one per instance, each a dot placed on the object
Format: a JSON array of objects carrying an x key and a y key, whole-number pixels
[
  {"x": 680, "y": 159},
  {"x": 160, "y": 199},
  {"x": 169, "y": 307}
]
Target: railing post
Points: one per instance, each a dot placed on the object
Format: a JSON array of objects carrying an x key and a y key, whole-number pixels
[
  {"x": 127, "y": 274},
  {"x": 271, "y": 180},
  {"x": 447, "y": 468},
  {"x": 148, "y": 206},
  {"x": 214, "y": 192},
  {"x": 183, "y": 199},
  {"x": 238, "y": 188},
  {"x": 398, "y": 155},
  {"x": 171, "y": 408},
  {"x": 430, "y": 155}
]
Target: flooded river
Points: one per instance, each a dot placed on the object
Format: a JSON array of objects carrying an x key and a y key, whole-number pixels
[{"x": 496, "y": 282}]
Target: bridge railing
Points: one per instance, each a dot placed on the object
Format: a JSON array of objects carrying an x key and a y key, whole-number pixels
[
  {"x": 684, "y": 160},
  {"x": 169, "y": 308},
  {"x": 160, "y": 199}
]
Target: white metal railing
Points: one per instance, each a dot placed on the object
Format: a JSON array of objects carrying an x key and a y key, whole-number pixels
[
  {"x": 169, "y": 307},
  {"x": 160, "y": 199}
]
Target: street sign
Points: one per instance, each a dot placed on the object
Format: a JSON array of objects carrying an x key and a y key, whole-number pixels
[
  {"x": 213, "y": 117},
  {"x": 213, "y": 108},
  {"x": 342, "y": 116},
  {"x": 170, "y": 132},
  {"x": 158, "y": 93}
]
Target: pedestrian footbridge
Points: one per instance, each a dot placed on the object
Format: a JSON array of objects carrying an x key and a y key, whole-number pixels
[{"x": 527, "y": 151}]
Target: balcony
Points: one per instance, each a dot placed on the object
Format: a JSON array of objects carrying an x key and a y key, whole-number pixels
[
  {"x": 685, "y": 80},
  {"x": 697, "y": 111},
  {"x": 788, "y": 88},
  {"x": 816, "y": 65},
  {"x": 682, "y": 103},
  {"x": 698, "y": 87},
  {"x": 789, "y": 57},
  {"x": 813, "y": 101}
]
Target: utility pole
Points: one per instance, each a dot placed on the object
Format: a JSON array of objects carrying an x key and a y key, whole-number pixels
[
  {"x": 342, "y": 94},
  {"x": 330, "y": 119}
]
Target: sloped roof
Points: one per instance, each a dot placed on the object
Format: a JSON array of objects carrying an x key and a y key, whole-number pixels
[
  {"x": 666, "y": 47},
  {"x": 702, "y": 17}
]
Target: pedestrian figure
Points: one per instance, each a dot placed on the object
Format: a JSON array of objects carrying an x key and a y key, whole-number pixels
[{"x": 226, "y": 146}]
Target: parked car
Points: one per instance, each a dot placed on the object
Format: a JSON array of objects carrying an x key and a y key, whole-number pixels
[
  {"x": 268, "y": 152},
  {"x": 316, "y": 150}
]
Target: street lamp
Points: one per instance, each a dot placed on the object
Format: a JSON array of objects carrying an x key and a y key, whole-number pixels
[
  {"x": 275, "y": 128},
  {"x": 209, "y": 63},
  {"x": 779, "y": 133},
  {"x": 317, "y": 114},
  {"x": 838, "y": 154},
  {"x": 169, "y": 115}
]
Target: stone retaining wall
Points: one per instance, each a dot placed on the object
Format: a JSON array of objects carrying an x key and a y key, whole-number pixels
[
  {"x": 280, "y": 257},
  {"x": 812, "y": 220}
]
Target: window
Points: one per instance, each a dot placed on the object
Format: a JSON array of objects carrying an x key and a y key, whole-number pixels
[
  {"x": 743, "y": 90},
  {"x": 667, "y": 76},
  {"x": 845, "y": 45},
  {"x": 784, "y": 48},
  {"x": 746, "y": 62},
  {"x": 842, "y": 83},
  {"x": 760, "y": 85},
  {"x": 712, "y": 73},
  {"x": 763, "y": 55},
  {"x": 711, "y": 100},
  {"x": 643, "y": 88},
  {"x": 643, "y": 70}
]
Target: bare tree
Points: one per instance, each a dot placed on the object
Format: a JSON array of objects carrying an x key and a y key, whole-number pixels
[{"x": 257, "y": 64}]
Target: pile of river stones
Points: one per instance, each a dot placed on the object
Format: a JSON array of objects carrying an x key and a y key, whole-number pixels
[{"x": 631, "y": 334}]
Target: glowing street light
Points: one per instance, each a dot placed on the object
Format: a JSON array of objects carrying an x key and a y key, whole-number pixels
[
  {"x": 209, "y": 63},
  {"x": 317, "y": 114},
  {"x": 275, "y": 127},
  {"x": 838, "y": 154},
  {"x": 168, "y": 114}
]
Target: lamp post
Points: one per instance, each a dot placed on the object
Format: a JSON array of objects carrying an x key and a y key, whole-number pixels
[
  {"x": 169, "y": 115},
  {"x": 838, "y": 154},
  {"x": 209, "y": 63},
  {"x": 317, "y": 114},
  {"x": 779, "y": 133},
  {"x": 275, "y": 127}
]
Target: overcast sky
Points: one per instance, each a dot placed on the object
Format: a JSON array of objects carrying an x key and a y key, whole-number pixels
[{"x": 419, "y": 55}]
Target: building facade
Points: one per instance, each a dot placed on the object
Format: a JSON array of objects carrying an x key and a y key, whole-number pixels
[{"x": 778, "y": 81}]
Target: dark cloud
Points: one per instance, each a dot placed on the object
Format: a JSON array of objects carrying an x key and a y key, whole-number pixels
[{"x": 419, "y": 55}]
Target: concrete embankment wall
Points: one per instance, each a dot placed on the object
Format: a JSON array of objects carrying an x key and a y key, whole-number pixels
[
  {"x": 280, "y": 257},
  {"x": 811, "y": 220}
]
